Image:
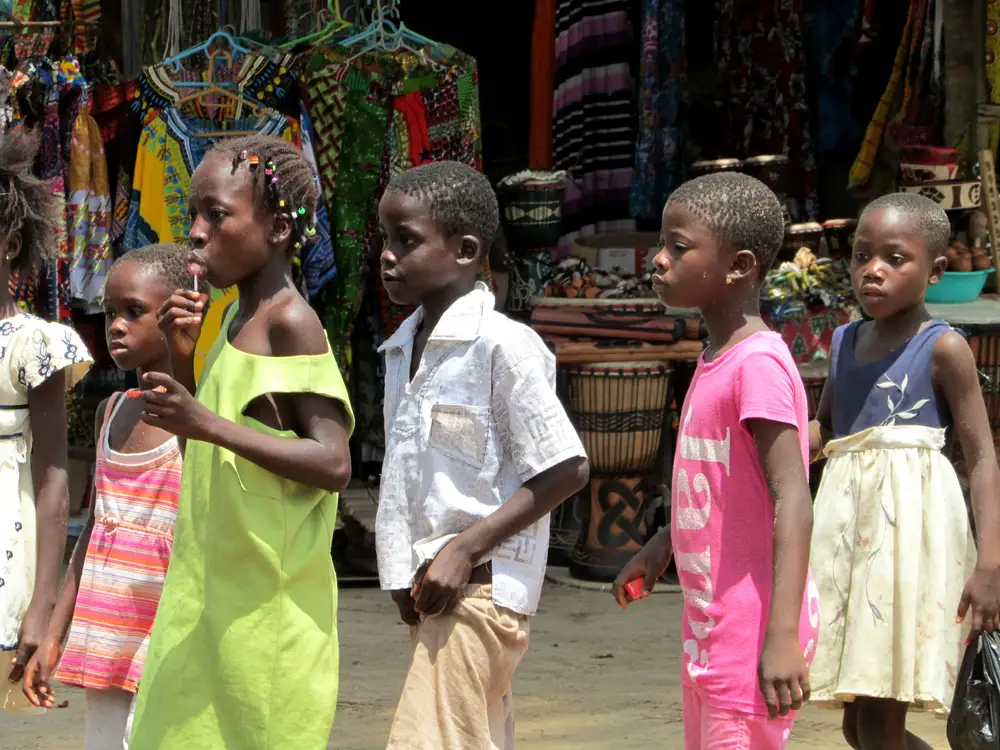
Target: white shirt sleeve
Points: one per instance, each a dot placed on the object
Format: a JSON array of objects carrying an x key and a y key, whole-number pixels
[{"x": 535, "y": 431}]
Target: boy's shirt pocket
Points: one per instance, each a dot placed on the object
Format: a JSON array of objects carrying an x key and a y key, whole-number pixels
[{"x": 461, "y": 432}]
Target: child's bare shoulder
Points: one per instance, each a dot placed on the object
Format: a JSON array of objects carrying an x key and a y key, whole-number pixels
[
  {"x": 294, "y": 329},
  {"x": 951, "y": 352}
]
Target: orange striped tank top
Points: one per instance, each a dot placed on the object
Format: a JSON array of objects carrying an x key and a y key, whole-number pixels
[{"x": 135, "y": 509}]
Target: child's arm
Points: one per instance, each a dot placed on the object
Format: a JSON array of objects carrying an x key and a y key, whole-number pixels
[
  {"x": 956, "y": 377},
  {"x": 783, "y": 674},
  {"x": 47, "y": 408},
  {"x": 821, "y": 428},
  {"x": 37, "y": 685},
  {"x": 319, "y": 457},
  {"x": 442, "y": 585},
  {"x": 540, "y": 441}
]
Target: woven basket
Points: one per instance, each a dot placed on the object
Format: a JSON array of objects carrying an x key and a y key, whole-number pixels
[{"x": 532, "y": 210}]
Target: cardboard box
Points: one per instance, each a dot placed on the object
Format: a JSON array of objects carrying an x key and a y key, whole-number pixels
[{"x": 633, "y": 252}]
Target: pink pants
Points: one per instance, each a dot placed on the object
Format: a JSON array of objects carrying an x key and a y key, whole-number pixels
[{"x": 708, "y": 728}]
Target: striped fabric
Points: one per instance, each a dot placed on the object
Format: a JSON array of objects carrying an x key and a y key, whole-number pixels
[
  {"x": 595, "y": 115},
  {"x": 123, "y": 573}
]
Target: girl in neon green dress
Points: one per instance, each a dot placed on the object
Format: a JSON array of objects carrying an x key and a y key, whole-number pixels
[{"x": 243, "y": 653}]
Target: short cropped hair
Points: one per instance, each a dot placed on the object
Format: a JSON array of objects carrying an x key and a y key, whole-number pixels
[
  {"x": 929, "y": 219},
  {"x": 742, "y": 212},
  {"x": 167, "y": 261},
  {"x": 458, "y": 196}
]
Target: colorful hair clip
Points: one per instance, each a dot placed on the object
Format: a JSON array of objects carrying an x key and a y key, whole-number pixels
[
  {"x": 254, "y": 162},
  {"x": 311, "y": 232},
  {"x": 243, "y": 155},
  {"x": 274, "y": 180},
  {"x": 281, "y": 204},
  {"x": 302, "y": 212}
]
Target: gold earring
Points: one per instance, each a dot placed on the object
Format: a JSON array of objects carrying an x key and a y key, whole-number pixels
[{"x": 729, "y": 280}]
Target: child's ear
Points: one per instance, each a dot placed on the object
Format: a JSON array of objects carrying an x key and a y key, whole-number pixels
[
  {"x": 281, "y": 230},
  {"x": 11, "y": 247},
  {"x": 744, "y": 265},
  {"x": 469, "y": 249},
  {"x": 937, "y": 269}
]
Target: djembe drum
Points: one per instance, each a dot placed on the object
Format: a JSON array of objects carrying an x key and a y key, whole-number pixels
[
  {"x": 620, "y": 412},
  {"x": 773, "y": 171}
]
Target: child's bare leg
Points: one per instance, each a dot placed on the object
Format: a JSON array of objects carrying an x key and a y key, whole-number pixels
[
  {"x": 850, "y": 725},
  {"x": 882, "y": 726}
]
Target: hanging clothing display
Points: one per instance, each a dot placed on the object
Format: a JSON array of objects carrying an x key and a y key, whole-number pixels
[
  {"x": 595, "y": 124},
  {"x": 88, "y": 207},
  {"x": 907, "y": 111},
  {"x": 662, "y": 78},
  {"x": 761, "y": 71}
]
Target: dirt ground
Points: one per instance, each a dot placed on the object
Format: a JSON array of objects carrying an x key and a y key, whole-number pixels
[{"x": 594, "y": 677}]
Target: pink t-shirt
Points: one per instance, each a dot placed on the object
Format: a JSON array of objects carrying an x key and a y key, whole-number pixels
[{"x": 723, "y": 519}]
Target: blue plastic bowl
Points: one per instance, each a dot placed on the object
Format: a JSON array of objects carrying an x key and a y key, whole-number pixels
[{"x": 957, "y": 286}]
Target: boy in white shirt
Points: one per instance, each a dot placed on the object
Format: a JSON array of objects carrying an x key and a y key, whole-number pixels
[{"x": 479, "y": 451}]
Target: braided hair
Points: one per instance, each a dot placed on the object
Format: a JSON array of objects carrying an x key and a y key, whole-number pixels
[
  {"x": 28, "y": 207},
  {"x": 283, "y": 181}
]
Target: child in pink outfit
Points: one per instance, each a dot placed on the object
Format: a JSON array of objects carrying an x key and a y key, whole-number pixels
[{"x": 741, "y": 513}]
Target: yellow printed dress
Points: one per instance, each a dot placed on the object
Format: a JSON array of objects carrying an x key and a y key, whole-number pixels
[{"x": 243, "y": 654}]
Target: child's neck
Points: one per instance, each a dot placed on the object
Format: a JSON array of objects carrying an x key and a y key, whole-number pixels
[
  {"x": 733, "y": 320},
  {"x": 901, "y": 326},
  {"x": 158, "y": 365},
  {"x": 436, "y": 305},
  {"x": 264, "y": 285}
]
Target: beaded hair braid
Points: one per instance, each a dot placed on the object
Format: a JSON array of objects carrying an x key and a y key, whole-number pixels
[{"x": 284, "y": 181}]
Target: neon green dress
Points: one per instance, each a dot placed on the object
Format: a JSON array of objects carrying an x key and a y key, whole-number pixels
[{"x": 243, "y": 653}]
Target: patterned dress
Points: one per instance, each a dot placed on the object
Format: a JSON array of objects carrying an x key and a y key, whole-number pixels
[
  {"x": 31, "y": 352},
  {"x": 134, "y": 515},
  {"x": 892, "y": 547}
]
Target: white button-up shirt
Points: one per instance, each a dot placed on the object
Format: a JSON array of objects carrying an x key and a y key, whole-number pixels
[{"x": 478, "y": 420}]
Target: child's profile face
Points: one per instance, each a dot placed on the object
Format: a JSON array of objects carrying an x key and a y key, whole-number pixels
[
  {"x": 891, "y": 266},
  {"x": 418, "y": 258},
  {"x": 133, "y": 295},
  {"x": 690, "y": 267},
  {"x": 230, "y": 236}
]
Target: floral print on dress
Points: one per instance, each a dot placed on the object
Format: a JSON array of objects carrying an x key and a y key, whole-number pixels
[{"x": 31, "y": 351}]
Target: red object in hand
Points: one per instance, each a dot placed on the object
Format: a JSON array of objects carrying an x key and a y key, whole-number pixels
[{"x": 634, "y": 589}]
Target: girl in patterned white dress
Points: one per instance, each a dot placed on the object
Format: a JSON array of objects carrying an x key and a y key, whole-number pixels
[
  {"x": 899, "y": 578},
  {"x": 39, "y": 361}
]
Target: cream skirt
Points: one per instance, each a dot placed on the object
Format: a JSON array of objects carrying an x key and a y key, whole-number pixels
[{"x": 891, "y": 553}]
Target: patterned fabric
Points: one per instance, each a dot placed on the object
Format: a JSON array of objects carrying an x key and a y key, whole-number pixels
[
  {"x": 167, "y": 156},
  {"x": 272, "y": 83},
  {"x": 760, "y": 65},
  {"x": 893, "y": 123},
  {"x": 31, "y": 352},
  {"x": 319, "y": 267},
  {"x": 88, "y": 208},
  {"x": 365, "y": 124},
  {"x": 808, "y": 332},
  {"x": 135, "y": 509},
  {"x": 662, "y": 76},
  {"x": 594, "y": 128},
  {"x": 543, "y": 63}
]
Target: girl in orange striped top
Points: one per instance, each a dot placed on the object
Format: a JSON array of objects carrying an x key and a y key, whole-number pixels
[{"x": 111, "y": 593}]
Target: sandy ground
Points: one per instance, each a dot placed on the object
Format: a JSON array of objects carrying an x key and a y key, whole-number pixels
[{"x": 594, "y": 677}]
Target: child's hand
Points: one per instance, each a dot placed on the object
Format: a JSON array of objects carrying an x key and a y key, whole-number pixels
[
  {"x": 33, "y": 629},
  {"x": 180, "y": 319},
  {"x": 982, "y": 595},
  {"x": 648, "y": 564},
  {"x": 443, "y": 584},
  {"x": 37, "y": 675},
  {"x": 171, "y": 407},
  {"x": 783, "y": 675},
  {"x": 405, "y": 602}
]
